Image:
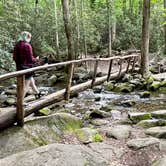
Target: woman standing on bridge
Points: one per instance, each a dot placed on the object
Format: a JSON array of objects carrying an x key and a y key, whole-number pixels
[{"x": 24, "y": 59}]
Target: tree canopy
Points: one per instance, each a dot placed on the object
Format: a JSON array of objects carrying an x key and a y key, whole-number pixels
[{"x": 89, "y": 25}]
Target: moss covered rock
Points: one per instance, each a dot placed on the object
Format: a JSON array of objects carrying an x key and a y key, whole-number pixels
[
  {"x": 37, "y": 132},
  {"x": 162, "y": 90},
  {"x": 138, "y": 116},
  {"x": 145, "y": 94},
  {"x": 109, "y": 86},
  {"x": 87, "y": 135},
  {"x": 154, "y": 86},
  {"x": 124, "y": 87},
  {"x": 159, "y": 132},
  {"x": 152, "y": 123},
  {"x": 163, "y": 83},
  {"x": 44, "y": 111},
  {"x": 160, "y": 114}
]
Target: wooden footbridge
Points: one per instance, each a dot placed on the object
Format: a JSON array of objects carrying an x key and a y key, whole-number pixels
[{"x": 9, "y": 117}]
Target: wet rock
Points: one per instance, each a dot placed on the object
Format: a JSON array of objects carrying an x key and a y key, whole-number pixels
[
  {"x": 52, "y": 80},
  {"x": 138, "y": 84},
  {"x": 109, "y": 86},
  {"x": 97, "y": 89},
  {"x": 56, "y": 155},
  {"x": 87, "y": 135},
  {"x": 138, "y": 116},
  {"x": 10, "y": 101},
  {"x": 107, "y": 108},
  {"x": 127, "y": 78},
  {"x": 124, "y": 87},
  {"x": 128, "y": 103},
  {"x": 160, "y": 114},
  {"x": 11, "y": 92},
  {"x": 159, "y": 132},
  {"x": 99, "y": 114},
  {"x": 160, "y": 162},
  {"x": 116, "y": 114},
  {"x": 139, "y": 143},
  {"x": 29, "y": 98},
  {"x": 163, "y": 83},
  {"x": 162, "y": 90},
  {"x": 154, "y": 86},
  {"x": 152, "y": 123},
  {"x": 145, "y": 94},
  {"x": 119, "y": 132},
  {"x": 78, "y": 76},
  {"x": 97, "y": 98},
  {"x": 99, "y": 122}
]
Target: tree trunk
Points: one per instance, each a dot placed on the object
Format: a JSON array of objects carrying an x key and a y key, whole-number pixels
[
  {"x": 68, "y": 30},
  {"x": 56, "y": 33},
  {"x": 113, "y": 32},
  {"x": 77, "y": 52},
  {"x": 145, "y": 39},
  {"x": 131, "y": 7},
  {"x": 109, "y": 29},
  {"x": 83, "y": 28},
  {"x": 165, "y": 28},
  {"x": 124, "y": 8}
]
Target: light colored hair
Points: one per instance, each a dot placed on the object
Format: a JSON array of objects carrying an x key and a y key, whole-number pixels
[{"x": 25, "y": 36}]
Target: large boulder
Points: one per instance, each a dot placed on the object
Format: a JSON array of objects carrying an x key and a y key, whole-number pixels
[
  {"x": 160, "y": 114},
  {"x": 142, "y": 142},
  {"x": 52, "y": 80},
  {"x": 138, "y": 116},
  {"x": 119, "y": 132},
  {"x": 37, "y": 132},
  {"x": 124, "y": 87},
  {"x": 56, "y": 155},
  {"x": 152, "y": 123},
  {"x": 159, "y": 132},
  {"x": 155, "y": 86}
]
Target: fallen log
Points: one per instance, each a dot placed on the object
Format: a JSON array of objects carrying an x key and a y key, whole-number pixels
[{"x": 8, "y": 117}]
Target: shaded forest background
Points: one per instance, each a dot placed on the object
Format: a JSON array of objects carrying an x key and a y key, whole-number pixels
[{"x": 90, "y": 29}]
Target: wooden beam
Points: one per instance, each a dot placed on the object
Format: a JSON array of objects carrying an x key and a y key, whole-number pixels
[
  {"x": 69, "y": 81},
  {"x": 133, "y": 66},
  {"x": 20, "y": 99},
  {"x": 109, "y": 70},
  {"x": 94, "y": 73},
  {"x": 128, "y": 64},
  {"x": 120, "y": 69}
]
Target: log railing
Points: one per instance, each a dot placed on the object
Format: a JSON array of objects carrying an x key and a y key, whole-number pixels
[{"x": 20, "y": 111}]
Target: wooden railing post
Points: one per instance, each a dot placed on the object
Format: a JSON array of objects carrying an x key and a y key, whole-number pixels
[
  {"x": 120, "y": 69},
  {"x": 109, "y": 70},
  {"x": 20, "y": 100},
  {"x": 69, "y": 80},
  {"x": 128, "y": 64},
  {"x": 133, "y": 66},
  {"x": 95, "y": 73}
]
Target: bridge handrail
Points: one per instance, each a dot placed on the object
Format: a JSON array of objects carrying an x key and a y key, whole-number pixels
[{"x": 49, "y": 66}]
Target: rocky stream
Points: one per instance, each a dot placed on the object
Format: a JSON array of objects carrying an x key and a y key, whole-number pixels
[{"x": 119, "y": 123}]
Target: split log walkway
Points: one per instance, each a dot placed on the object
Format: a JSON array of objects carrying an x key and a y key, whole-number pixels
[{"x": 9, "y": 117}]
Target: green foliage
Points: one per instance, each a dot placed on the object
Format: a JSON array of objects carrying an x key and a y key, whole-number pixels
[
  {"x": 98, "y": 138},
  {"x": 92, "y": 20},
  {"x": 6, "y": 47}
]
